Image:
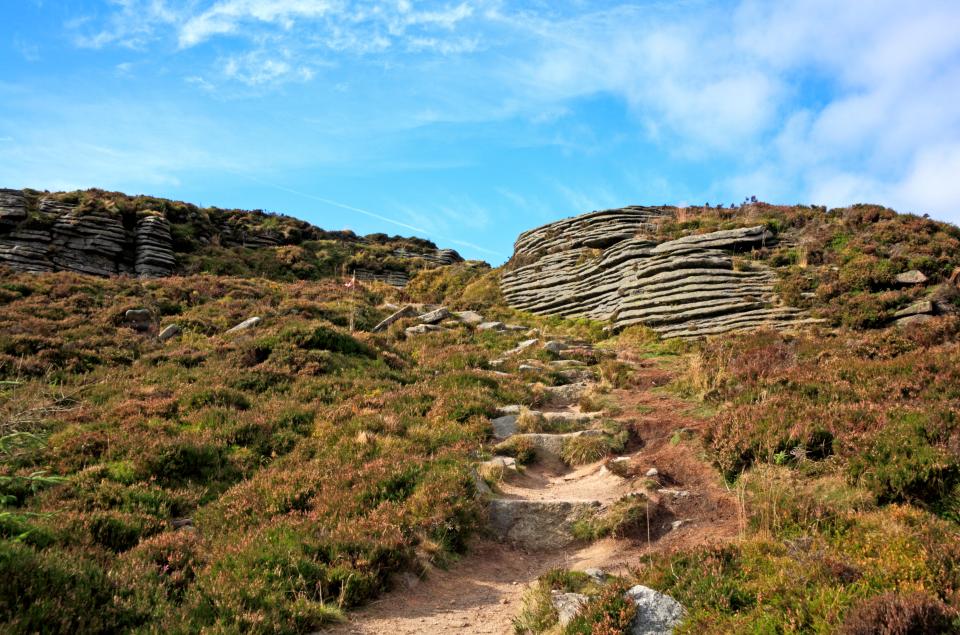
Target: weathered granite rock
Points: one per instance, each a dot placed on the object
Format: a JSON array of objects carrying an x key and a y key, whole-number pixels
[
  {"x": 609, "y": 266},
  {"x": 914, "y": 319},
  {"x": 154, "y": 248},
  {"x": 504, "y": 426},
  {"x": 169, "y": 332},
  {"x": 599, "y": 576},
  {"x": 435, "y": 316},
  {"x": 249, "y": 323},
  {"x": 924, "y": 307},
  {"x": 407, "y": 311},
  {"x": 555, "y": 346},
  {"x": 911, "y": 277},
  {"x": 491, "y": 326},
  {"x": 657, "y": 614},
  {"x": 567, "y": 605},
  {"x": 469, "y": 317},
  {"x": 552, "y": 444},
  {"x": 421, "y": 329},
  {"x": 41, "y": 232},
  {"x": 138, "y": 315}
]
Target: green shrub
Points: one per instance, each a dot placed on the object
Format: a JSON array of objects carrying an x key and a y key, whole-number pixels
[
  {"x": 58, "y": 592},
  {"x": 219, "y": 397}
]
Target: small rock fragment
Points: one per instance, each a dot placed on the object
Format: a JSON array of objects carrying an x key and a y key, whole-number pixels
[
  {"x": 555, "y": 346},
  {"x": 599, "y": 576},
  {"x": 652, "y": 472},
  {"x": 420, "y": 329},
  {"x": 170, "y": 331},
  {"x": 911, "y": 277},
  {"x": 407, "y": 311},
  {"x": 246, "y": 324}
]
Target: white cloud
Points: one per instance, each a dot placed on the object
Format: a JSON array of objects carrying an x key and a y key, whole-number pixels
[
  {"x": 820, "y": 100},
  {"x": 261, "y": 67},
  {"x": 226, "y": 16}
]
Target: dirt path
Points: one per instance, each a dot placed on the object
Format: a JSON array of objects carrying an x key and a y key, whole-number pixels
[{"x": 481, "y": 592}]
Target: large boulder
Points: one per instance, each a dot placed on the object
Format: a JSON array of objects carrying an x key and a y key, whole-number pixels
[{"x": 657, "y": 614}]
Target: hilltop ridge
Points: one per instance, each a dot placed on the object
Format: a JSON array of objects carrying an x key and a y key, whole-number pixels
[{"x": 110, "y": 233}]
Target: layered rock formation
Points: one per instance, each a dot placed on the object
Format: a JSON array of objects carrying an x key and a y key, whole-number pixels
[
  {"x": 55, "y": 237},
  {"x": 42, "y": 232},
  {"x": 608, "y": 265}
]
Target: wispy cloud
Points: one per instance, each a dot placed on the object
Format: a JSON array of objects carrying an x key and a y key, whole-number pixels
[
  {"x": 807, "y": 100},
  {"x": 29, "y": 51}
]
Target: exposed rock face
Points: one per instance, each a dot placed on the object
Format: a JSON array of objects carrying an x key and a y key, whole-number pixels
[
  {"x": 40, "y": 233},
  {"x": 608, "y": 265},
  {"x": 55, "y": 237},
  {"x": 154, "y": 247}
]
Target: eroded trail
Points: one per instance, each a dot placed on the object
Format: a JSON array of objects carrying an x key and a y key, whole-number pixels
[{"x": 536, "y": 512}]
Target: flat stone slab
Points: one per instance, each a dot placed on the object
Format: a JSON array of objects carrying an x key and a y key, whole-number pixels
[
  {"x": 433, "y": 317},
  {"x": 537, "y": 524},
  {"x": 407, "y": 311},
  {"x": 170, "y": 331},
  {"x": 469, "y": 317},
  {"x": 421, "y": 329},
  {"x": 249, "y": 323}
]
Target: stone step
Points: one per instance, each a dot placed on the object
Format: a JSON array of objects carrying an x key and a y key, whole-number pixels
[{"x": 538, "y": 525}]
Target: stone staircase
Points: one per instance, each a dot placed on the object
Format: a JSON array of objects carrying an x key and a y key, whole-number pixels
[{"x": 540, "y": 506}]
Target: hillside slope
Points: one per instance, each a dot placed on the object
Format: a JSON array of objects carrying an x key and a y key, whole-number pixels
[{"x": 162, "y": 470}]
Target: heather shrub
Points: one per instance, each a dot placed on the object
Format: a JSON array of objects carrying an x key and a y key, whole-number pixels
[{"x": 895, "y": 613}]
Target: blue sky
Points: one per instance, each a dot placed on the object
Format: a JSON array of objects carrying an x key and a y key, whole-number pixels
[{"x": 469, "y": 121}]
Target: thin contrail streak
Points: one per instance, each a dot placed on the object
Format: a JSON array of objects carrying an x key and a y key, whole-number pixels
[{"x": 365, "y": 212}]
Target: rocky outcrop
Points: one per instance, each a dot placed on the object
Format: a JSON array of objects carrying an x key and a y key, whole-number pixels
[
  {"x": 56, "y": 237},
  {"x": 392, "y": 278},
  {"x": 154, "y": 247},
  {"x": 609, "y": 266},
  {"x": 43, "y": 232}
]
